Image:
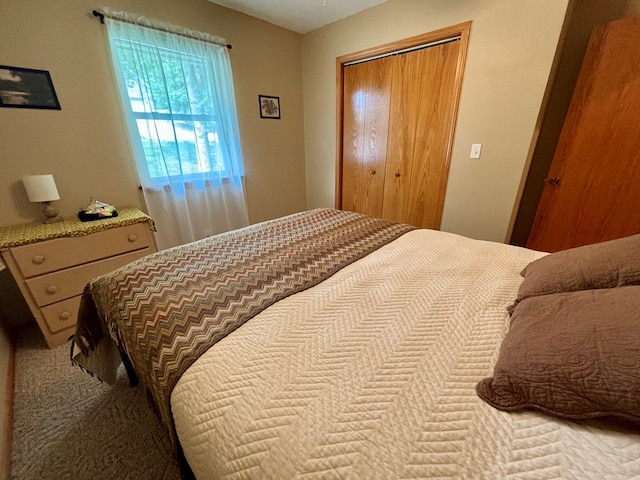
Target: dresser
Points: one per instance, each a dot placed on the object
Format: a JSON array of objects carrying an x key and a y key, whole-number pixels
[{"x": 52, "y": 263}]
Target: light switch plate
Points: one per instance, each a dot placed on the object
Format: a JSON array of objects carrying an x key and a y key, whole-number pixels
[{"x": 475, "y": 150}]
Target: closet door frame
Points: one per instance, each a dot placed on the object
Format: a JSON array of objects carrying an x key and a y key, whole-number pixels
[{"x": 461, "y": 30}]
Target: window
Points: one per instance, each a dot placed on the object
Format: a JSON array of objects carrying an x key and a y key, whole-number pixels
[
  {"x": 177, "y": 94},
  {"x": 170, "y": 101}
]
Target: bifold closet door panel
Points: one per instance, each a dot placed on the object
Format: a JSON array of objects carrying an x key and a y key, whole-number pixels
[
  {"x": 421, "y": 122},
  {"x": 367, "y": 89}
]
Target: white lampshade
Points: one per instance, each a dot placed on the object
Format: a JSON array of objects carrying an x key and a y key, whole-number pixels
[{"x": 41, "y": 188}]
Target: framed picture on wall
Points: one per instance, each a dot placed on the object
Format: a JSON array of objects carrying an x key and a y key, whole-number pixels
[
  {"x": 26, "y": 88},
  {"x": 269, "y": 106}
]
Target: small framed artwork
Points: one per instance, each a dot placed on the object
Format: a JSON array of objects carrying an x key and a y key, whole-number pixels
[
  {"x": 269, "y": 106},
  {"x": 26, "y": 88}
]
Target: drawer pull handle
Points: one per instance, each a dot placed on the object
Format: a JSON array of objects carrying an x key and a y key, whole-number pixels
[
  {"x": 132, "y": 238},
  {"x": 65, "y": 316},
  {"x": 38, "y": 259},
  {"x": 51, "y": 289}
]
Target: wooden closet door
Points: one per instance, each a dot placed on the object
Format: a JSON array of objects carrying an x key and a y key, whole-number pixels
[
  {"x": 421, "y": 122},
  {"x": 593, "y": 185},
  {"x": 367, "y": 88}
]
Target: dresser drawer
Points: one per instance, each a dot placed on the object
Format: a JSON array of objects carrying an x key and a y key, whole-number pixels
[
  {"x": 51, "y": 255},
  {"x": 57, "y": 286},
  {"x": 61, "y": 315}
]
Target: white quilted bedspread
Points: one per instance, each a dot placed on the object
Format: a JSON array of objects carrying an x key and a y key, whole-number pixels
[{"x": 372, "y": 374}]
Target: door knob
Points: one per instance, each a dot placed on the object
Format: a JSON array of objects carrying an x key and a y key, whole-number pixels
[{"x": 554, "y": 181}]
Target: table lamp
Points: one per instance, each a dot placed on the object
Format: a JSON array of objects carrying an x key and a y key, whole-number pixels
[{"x": 42, "y": 189}]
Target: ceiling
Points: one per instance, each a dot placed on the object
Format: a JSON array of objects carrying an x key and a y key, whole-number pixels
[{"x": 301, "y": 16}]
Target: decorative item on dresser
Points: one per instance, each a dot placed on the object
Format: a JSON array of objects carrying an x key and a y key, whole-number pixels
[
  {"x": 42, "y": 189},
  {"x": 51, "y": 263}
]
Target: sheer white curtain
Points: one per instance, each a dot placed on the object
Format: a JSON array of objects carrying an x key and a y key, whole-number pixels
[{"x": 179, "y": 101}]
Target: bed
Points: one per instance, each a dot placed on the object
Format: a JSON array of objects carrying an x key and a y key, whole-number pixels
[{"x": 327, "y": 344}]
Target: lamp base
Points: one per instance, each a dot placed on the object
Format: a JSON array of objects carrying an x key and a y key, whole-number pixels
[{"x": 51, "y": 213}]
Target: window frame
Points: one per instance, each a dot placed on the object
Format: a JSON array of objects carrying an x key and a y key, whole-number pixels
[{"x": 207, "y": 177}]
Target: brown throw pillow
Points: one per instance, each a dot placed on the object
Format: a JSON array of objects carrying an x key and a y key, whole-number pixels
[
  {"x": 574, "y": 355},
  {"x": 615, "y": 263}
]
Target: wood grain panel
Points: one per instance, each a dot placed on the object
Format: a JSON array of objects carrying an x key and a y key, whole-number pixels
[
  {"x": 423, "y": 104},
  {"x": 597, "y": 159},
  {"x": 367, "y": 88}
]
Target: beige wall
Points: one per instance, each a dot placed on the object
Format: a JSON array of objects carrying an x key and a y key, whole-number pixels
[
  {"x": 84, "y": 145},
  {"x": 511, "y": 53}
]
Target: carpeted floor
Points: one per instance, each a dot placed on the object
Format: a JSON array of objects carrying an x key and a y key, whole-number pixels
[{"x": 68, "y": 425}]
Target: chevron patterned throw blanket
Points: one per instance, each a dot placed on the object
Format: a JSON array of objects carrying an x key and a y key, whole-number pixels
[{"x": 167, "y": 309}]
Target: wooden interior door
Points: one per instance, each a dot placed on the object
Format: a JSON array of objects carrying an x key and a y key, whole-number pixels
[
  {"x": 421, "y": 121},
  {"x": 593, "y": 185}
]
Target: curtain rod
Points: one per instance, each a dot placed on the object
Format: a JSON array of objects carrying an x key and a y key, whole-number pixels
[{"x": 101, "y": 16}]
